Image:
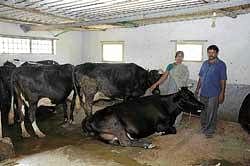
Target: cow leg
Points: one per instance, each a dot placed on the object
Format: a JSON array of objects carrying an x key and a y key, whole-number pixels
[
  {"x": 126, "y": 140},
  {"x": 118, "y": 134},
  {"x": 32, "y": 116},
  {"x": 21, "y": 113},
  {"x": 65, "y": 114},
  {"x": 72, "y": 107},
  {"x": 25, "y": 134}
]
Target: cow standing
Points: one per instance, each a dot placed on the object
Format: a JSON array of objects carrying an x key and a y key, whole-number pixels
[
  {"x": 34, "y": 86},
  {"x": 122, "y": 81},
  {"x": 126, "y": 123}
]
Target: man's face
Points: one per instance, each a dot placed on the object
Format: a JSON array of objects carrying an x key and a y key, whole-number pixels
[
  {"x": 212, "y": 54},
  {"x": 179, "y": 58}
]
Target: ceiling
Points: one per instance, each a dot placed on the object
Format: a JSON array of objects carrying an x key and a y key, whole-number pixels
[{"x": 103, "y": 14}]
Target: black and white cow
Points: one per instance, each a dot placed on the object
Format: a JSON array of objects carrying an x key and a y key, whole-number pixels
[
  {"x": 126, "y": 123},
  {"x": 47, "y": 85},
  {"x": 122, "y": 81},
  {"x": 244, "y": 114}
]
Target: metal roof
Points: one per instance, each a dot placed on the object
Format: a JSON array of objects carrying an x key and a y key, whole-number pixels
[{"x": 60, "y": 14}]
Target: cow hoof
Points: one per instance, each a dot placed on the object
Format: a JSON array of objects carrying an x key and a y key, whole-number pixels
[
  {"x": 72, "y": 122},
  {"x": 160, "y": 133},
  {"x": 40, "y": 135},
  {"x": 149, "y": 146},
  {"x": 64, "y": 125},
  {"x": 25, "y": 135}
]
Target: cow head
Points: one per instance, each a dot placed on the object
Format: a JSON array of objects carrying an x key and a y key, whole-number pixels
[
  {"x": 187, "y": 101},
  {"x": 153, "y": 76}
]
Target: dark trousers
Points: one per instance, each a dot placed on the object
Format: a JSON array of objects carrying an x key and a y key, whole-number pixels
[{"x": 209, "y": 114}]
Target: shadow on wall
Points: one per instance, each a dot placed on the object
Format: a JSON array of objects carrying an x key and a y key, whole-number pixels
[{"x": 235, "y": 94}]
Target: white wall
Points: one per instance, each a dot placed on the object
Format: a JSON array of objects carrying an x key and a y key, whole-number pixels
[
  {"x": 150, "y": 45},
  {"x": 68, "y": 47}
]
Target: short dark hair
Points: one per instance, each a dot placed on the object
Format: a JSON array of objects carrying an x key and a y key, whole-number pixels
[
  {"x": 179, "y": 52},
  {"x": 213, "y": 47}
]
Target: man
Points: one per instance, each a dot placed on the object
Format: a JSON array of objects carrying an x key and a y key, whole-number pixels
[{"x": 211, "y": 84}]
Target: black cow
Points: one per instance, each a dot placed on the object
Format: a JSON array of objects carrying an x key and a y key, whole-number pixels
[
  {"x": 244, "y": 114},
  {"x": 126, "y": 123},
  {"x": 122, "y": 81},
  {"x": 41, "y": 85}
]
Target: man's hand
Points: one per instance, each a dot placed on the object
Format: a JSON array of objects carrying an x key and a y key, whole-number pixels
[
  {"x": 221, "y": 98},
  {"x": 196, "y": 92}
]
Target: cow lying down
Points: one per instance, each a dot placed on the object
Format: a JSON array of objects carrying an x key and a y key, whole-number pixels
[{"x": 126, "y": 123}]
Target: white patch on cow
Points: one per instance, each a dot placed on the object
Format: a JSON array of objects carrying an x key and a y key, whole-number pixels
[
  {"x": 77, "y": 101},
  {"x": 159, "y": 133},
  {"x": 70, "y": 97},
  {"x": 11, "y": 112},
  {"x": 23, "y": 110},
  {"x": 37, "y": 130},
  {"x": 1, "y": 131},
  {"x": 100, "y": 95},
  {"x": 83, "y": 98},
  {"x": 25, "y": 134},
  {"x": 25, "y": 101},
  {"x": 151, "y": 146},
  {"x": 129, "y": 136},
  {"x": 45, "y": 102}
]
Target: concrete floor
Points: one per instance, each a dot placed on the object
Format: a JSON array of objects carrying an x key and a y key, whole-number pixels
[{"x": 66, "y": 146}]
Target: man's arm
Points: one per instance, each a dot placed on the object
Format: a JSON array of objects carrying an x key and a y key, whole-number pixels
[
  {"x": 198, "y": 87},
  {"x": 160, "y": 81},
  {"x": 222, "y": 92}
]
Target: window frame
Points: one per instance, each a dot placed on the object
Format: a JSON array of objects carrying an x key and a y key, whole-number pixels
[
  {"x": 30, "y": 38},
  {"x": 193, "y": 42},
  {"x": 113, "y": 42}
]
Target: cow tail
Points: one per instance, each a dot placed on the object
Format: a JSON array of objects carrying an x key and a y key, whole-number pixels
[
  {"x": 11, "y": 112},
  {"x": 74, "y": 81},
  {"x": 77, "y": 99}
]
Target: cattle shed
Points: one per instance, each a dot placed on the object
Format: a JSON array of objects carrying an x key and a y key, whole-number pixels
[{"x": 147, "y": 33}]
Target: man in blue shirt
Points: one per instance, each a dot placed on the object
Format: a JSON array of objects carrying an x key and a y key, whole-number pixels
[{"x": 211, "y": 85}]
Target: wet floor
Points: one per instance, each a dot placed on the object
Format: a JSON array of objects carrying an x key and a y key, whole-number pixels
[{"x": 65, "y": 145}]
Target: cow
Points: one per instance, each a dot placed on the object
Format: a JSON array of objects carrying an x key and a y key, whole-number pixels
[
  {"x": 244, "y": 114},
  {"x": 116, "y": 81},
  {"x": 47, "y": 85},
  {"x": 127, "y": 123}
]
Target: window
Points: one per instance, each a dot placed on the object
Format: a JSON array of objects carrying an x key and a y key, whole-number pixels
[
  {"x": 25, "y": 45},
  {"x": 41, "y": 46},
  {"x": 193, "y": 50},
  {"x": 14, "y": 45},
  {"x": 112, "y": 51}
]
